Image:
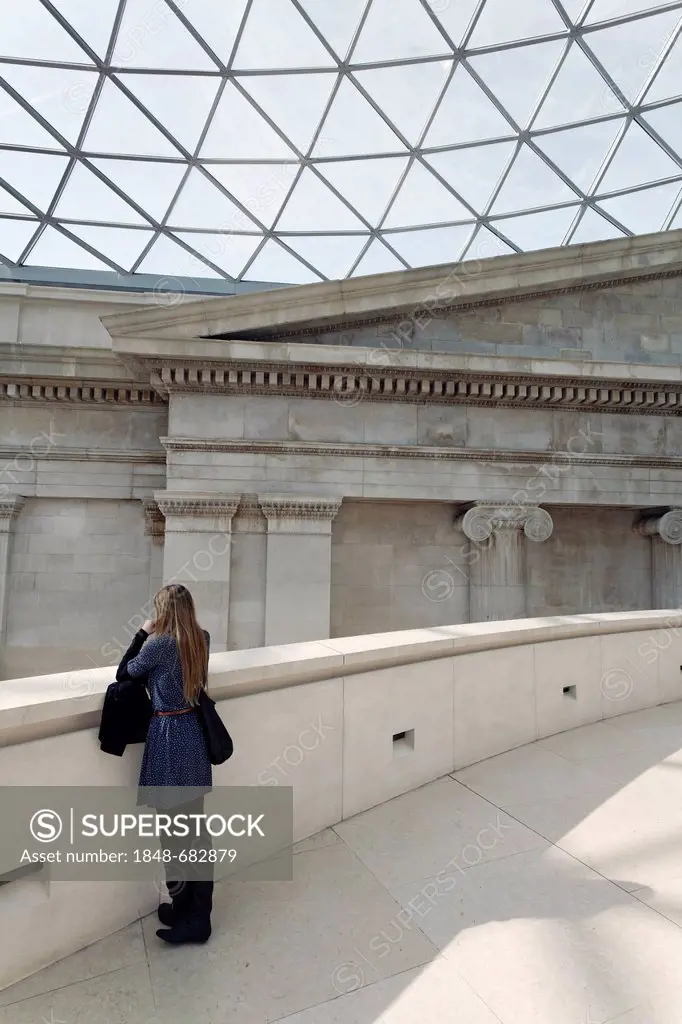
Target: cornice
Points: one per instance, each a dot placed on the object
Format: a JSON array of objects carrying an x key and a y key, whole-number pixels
[
  {"x": 349, "y": 385},
  {"x": 21, "y": 389},
  {"x": 516, "y": 276},
  {"x": 61, "y": 453},
  {"x": 405, "y": 451}
]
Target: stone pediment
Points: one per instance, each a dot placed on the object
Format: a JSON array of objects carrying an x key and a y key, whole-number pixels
[{"x": 283, "y": 312}]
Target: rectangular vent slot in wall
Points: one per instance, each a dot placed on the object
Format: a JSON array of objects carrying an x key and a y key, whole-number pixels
[
  {"x": 571, "y": 691},
  {"x": 403, "y": 743}
]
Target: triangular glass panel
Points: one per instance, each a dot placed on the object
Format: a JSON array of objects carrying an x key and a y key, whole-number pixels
[
  {"x": 8, "y": 204},
  {"x": 531, "y": 183},
  {"x": 518, "y": 77},
  {"x": 466, "y": 114},
  {"x": 668, "y": 81},
  {"x": 19, "y": 128},
  {"x": 594, "y": 228},
  {"x": 94, "y": 22},
  {"x": 229, "y": 252},
  {"x": 475, "y": 171},
  {"x": 433, "y": 246},
  {"x": 170, "y": 260},
  {"x": 121, "y": 245},
  {"x": 667, "y": 121},
  {"x": 455, "y": 18},
  {"x": 367, "y": 184},
  {"x": 424, "y": 200},
  {"x": 276, "y": 36},
  {"x": 337, "y": 22},
  {"x": 295, "y": 103},
  {"x": 34, "y": 175},
  {"x": 53, "y": 92},
  {"x": 15, "y": 235},
  {"x": 261, "y": 188},
  {"x": 86, "y": 197},
  {"x": 398, "y": 29},
  {"x": 29, "y": 31},
  {"x": 332, "y": 255},
  {"x": 218, "y": 23},
  {"x": 645, "y": 211},
  {"x": 580, "y": 152},
  {"x": 53, "y": 249},
  {"x": 180, "y": 102},
  {"x": 486, "y": 245},
  {"x": 275, "y": 265},
  {"x": 157, "y": 38},
  {"x": 538, "y": 230},
  {"x": 604, "y": 10},
  {"x": 629, "y": 51},
  {"x": 578, "y": 93},
  {"x": 150, "y": 184},
  {"x": 353, "y": 128},
  {"x": 201, "y": 204},
  {"x": 377, "y": 260},
  {"x": 239, "y": 132},
  {"x": 312, "y": 206},
  {"x": 407, "y": 94},
  {"x": 637, "y": 161},
  {"x": 119, "y": 127},
  {"x": 502, "y": 22}
]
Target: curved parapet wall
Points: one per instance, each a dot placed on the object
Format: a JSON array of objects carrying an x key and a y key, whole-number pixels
[{"x": 348, "y": 723}]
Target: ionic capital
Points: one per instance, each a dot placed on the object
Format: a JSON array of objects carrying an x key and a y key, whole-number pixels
[
  {"x": 486, "y": 518},
  {"x": 667, "y": 526}
]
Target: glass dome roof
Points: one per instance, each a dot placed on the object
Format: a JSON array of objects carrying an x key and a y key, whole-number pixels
[{"x": 299, "y": 140}]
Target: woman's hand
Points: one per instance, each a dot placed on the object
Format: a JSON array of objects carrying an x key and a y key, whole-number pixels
[{"x": 148, "y": 627}]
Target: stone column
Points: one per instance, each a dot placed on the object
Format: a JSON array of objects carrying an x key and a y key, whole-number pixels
[
  {"x": 665, "y": 530},
  {"x": 247, "y": 581},
  {"x": 496, "y": 557},
  {"x": 298, "y": 573},
  {"x": 197, "y": 552},
  {"x": 9, "y": 510},
  {"x": 155, "y": 527}
]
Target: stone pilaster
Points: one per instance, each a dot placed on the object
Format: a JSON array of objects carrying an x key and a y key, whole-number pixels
[
  {"x": 155, "y": 527},
  {"x": 665, "y": 531},
  {"x": 9, "y": 510},
  {"x": 495, "y": 556},
  {"x": 298, "y": 573},
  {"x": 197, "y": 552},
  {"x": 247, "y": 580}
]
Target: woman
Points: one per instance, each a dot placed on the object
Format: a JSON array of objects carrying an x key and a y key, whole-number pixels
[{"x": 172, "y": 652}]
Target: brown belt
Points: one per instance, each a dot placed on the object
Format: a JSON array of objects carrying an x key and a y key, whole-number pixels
[{"x": 182, "y": 711}]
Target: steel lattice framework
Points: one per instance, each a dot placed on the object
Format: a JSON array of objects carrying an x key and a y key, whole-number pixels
[{"x": 299, "y": 140}]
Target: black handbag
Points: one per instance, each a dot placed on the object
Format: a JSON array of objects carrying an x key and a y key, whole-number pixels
[{"x": 218, "y": 740}]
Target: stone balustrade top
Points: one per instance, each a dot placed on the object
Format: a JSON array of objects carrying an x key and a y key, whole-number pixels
[{"x": 64, "y": 702}]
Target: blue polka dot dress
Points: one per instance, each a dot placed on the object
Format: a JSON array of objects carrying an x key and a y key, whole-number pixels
[{"x": 175, "y": 752}]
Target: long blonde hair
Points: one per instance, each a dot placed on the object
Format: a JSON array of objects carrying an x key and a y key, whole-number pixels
[{"x": 176, "y": 616}]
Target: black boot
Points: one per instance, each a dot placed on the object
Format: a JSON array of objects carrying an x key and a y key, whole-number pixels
[
  {"x": 171, "y": 913},
  {"x": 195, "y": 923}
]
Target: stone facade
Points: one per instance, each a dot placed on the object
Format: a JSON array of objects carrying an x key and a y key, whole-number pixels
[{"x": 339, "y": 459}]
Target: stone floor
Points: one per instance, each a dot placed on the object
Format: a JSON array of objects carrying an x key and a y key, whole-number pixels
[{"x": 543, "y": 886}]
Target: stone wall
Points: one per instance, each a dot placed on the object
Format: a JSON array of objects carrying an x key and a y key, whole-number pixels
[
  {"x": 78, "y": 571},
  {"x": 639, "y": 322},
  {"x": 403, "y": 565}
]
